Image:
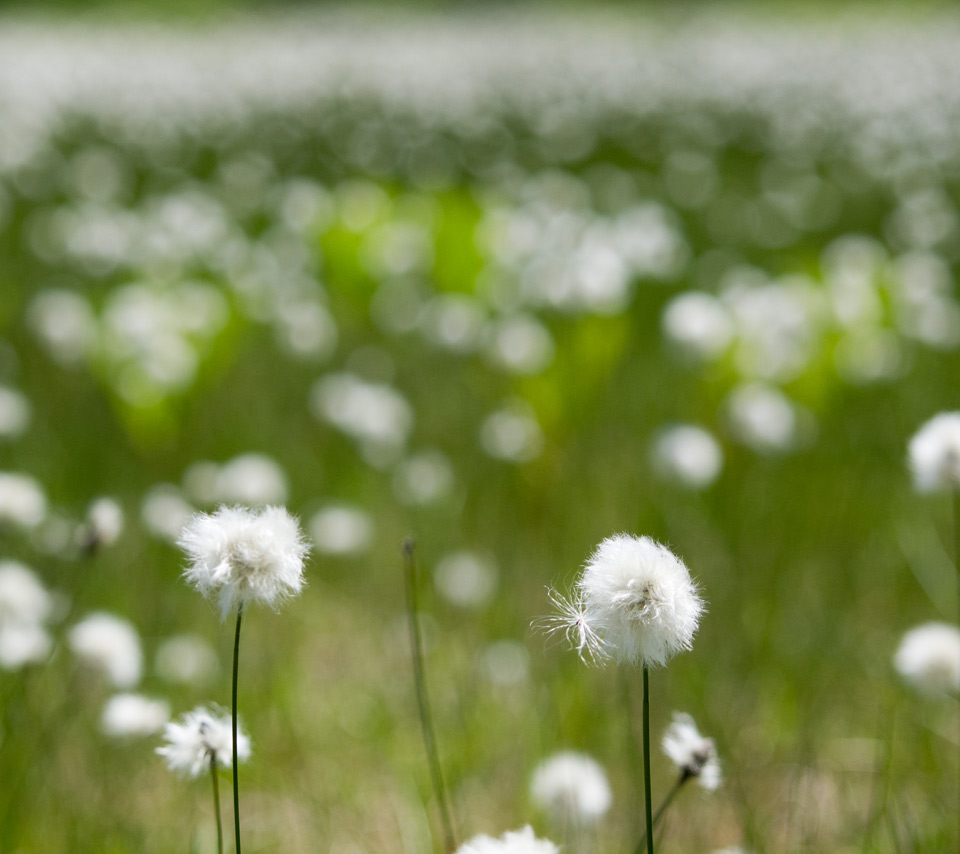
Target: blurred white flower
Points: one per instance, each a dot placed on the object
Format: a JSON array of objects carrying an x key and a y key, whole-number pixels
[
  {"x": 514, "y": 842},
  {"x": 764, "y": 418},
  {"x": 699, "y": 324},
  {"x": 928, "y": 658},
  {"x": 202, "y": 738},
  {"x": 23, "y": 598},
  {"x": 14, "y": 413},
  {"x": 512, "y": 433},
  {"x": 520, "y": 344},
  {"x": 103, "y": 525},
  {"x": 423, "y": 479},
  {"x": 240, "y": 556},
  {"x": 635, "y": 601},
  {"x": 23, "y": 643},
  {"x": 934, "y": 453},
  {"x": 22, "y": 501},
  {"x": 165, "y": 512},
  {"x": 694, "y": 755},
  {"x": 25, "y": 605},
  {"x": 466, "y": 579},
  {"x": 506, "y": 662},
  {"x": 251, "y": 479},
  {"x": 133, "y": 715},
  {"x": 688, "y": 455},
  {"x": 110, "y": 644},
  {"x": 186, "y": 659},
  {"x": 341, "y": 530},
  {"x": 65, "y": 324},
  {"x": 573, "y": 787},
  {"x": 375, "y": 415}
]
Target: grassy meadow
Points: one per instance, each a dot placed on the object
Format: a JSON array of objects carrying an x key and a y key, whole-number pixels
[{"x": 430, "y": 277}]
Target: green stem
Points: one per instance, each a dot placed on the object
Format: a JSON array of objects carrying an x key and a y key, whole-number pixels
[
  {"x": 647, "y": 799},
  {"x": 956, "y": 538},
  {"x": 216, "y": 801},
  {"x": 663, "y": 808},
  {"x": 236, "y": 779},
  {"x": 423, "y": 701},
  {"x": 634, "y": 753}
]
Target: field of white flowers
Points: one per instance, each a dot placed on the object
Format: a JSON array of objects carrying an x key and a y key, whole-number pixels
[{"x": 507, "y": 286}]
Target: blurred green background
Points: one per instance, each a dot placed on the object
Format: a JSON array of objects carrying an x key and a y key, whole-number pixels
[{"x": 434, "y": 272}]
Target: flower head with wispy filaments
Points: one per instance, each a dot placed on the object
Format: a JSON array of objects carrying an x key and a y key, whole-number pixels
[
  {"x": 635, "y": 602},
  {"x": 693, "y": 754},
  {"x": 238, "y": 556},
  {"x": 934, "y": 454},
  {"x": 200, "y": 739}
]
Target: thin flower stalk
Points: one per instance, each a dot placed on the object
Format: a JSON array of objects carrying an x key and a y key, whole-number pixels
[
  {"x": 423, "y": 700},
  {"x": 216, "y": 800},
  {"x": 233, "y": 724}
]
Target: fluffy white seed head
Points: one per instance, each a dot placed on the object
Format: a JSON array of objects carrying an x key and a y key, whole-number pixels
[
  {"x": 934, "y": 454},
  {"x": 200, "y": 738},
  {"x": 110, "y": 644},
  {"x": 133, "y": 715},
  {"x": 694, "y": 755},
  {"x": 514, "y": 842},
  {"x": 636, "y": 601},
  {"x": 928, "y": 658},
  {"x": 240, "y": 556},
  {"x": 572, "y": 787}
]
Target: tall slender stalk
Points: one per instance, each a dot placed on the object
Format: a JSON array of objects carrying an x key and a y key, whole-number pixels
[
  {"x": 642, "y": 846},
  {"x": 216, "y": 801},
  {"x": 647, "y": 798},
  {"x": 956, "y": 539},
  {"x": 423, "y": 701},
  {"x": 236, "y": 778},
  {"x": 634, "y": 752}
]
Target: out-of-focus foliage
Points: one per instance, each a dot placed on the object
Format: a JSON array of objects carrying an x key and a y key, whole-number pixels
[{"x": 510, "y": 287}]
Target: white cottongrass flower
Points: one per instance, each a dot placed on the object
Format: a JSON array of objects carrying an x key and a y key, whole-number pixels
[
  {"x": 928, "y": 658},
  {"x": 240, "y": 556},
  {"x": 572, "y": 787},
  {"x": 513, "y": 842},
  {"x": 133, "y": 715},
  {"x": 110, "y": 644},
  {"x": 694, "y": 755},
  {"x": 934, "y": 454},
  {"x": 201, "y": 738},
  {"x": 635, "y": 601}
]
